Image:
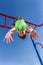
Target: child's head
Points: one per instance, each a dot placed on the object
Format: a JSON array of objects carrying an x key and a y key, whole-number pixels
[{"x": 21, "y": 33}]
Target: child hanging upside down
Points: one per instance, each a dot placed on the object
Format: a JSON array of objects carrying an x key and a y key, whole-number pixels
[{"x": 21, "y": 27}]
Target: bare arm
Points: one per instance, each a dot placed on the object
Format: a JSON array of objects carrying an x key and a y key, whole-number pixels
[
  {"x": 8, "y": 35},
  {"x": 12, "y": 30},
  {"x": 32, "y": 32},
  {"x": 29, "y": 29}
]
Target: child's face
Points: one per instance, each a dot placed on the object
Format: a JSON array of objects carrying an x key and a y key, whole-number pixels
[{"x": 21, "y": 33}]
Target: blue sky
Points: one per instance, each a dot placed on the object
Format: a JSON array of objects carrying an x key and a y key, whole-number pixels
[{"x": 21, "y": 52}]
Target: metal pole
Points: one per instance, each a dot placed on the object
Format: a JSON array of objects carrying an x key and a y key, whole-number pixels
[
  {"x": 37, "y": 52},
  {"x": 5, "y": 21}
]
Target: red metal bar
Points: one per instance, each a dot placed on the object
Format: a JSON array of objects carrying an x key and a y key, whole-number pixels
[
  {"x": 5, "y": 26},
  {"x": 5, "y": 21},
  {"x": 7, "y": 16},
  {"x": 34, "y": 24},
  {"x": 40, "y": 44}
]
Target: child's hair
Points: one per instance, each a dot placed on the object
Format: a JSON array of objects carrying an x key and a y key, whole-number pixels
[{"x": 23, "y": 37}]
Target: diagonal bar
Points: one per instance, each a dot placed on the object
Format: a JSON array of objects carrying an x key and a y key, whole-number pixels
[{"x": 37, "y": 52}]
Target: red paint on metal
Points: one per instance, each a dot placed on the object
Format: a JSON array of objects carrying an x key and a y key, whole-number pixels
[
  {"x": 40, "y": 44},
  {"x": 7, "y": 16}
]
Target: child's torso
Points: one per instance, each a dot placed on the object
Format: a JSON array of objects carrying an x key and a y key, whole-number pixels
[{"x": 20, "y": 24}]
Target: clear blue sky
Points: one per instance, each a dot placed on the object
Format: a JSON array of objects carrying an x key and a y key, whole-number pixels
[{"x": 21, "y": 52}]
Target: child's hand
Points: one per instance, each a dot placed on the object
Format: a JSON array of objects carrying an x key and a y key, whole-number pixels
[
  {"x": 8, "y": 37},
  {"x": 33, "y": 34}
]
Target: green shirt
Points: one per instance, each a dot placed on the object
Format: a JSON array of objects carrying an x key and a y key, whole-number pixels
[{"x": 20, "y": 24}]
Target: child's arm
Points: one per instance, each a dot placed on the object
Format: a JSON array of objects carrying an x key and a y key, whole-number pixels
[
  {"x": 8, "y": 35},
  {"x": 32, "y": 32}
]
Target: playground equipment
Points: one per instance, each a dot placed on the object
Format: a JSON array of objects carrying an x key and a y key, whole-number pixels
[{"x": 29, "y": 23}]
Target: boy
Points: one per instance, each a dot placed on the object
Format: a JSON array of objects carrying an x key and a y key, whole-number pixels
[{"x": 21, "y": 27}]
